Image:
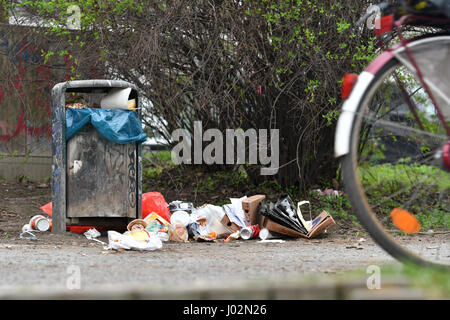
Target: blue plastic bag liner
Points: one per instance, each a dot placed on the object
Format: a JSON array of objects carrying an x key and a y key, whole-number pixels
[{"x": 119, "y": 126}]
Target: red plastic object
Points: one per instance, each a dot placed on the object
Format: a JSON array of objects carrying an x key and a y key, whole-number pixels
[
  {"x": 154, "y": 202},
  {"x": 47, "y": 208},
  {"x": 446, "y": 155},
  {"x": 83, "y": 229},
  {"x": 347, "y": 84},
  {"x": 384, "y": 24}
]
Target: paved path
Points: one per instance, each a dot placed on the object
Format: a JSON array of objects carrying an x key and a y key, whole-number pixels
[{"x": 180, "y": 265}]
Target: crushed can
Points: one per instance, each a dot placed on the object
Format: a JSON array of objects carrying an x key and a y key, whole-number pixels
[{"x": 250, "y": 232}]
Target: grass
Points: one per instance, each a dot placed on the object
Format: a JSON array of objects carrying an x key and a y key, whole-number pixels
[
  {"x": 422, "y": 190},
  {"x": 434, "y": 282},
  {"x": 408, "y": 175}
]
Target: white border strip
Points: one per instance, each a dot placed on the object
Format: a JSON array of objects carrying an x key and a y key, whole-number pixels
[{"x": 345, "y": 121}]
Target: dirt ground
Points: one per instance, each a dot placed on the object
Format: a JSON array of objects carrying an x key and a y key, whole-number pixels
[
  {"x": 19, "y": 202},
  {"x": 45, "y": 261}
]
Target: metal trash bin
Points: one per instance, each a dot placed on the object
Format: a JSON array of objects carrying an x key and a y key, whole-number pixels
[{"x": 95, "y": 182}]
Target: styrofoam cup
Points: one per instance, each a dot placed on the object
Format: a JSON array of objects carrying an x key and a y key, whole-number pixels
[
  {"x": 264, "y": 234},
  {"x": 181, "y": 217}
]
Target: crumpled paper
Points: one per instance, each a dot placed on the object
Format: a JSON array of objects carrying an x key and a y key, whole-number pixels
[{"x": 118, "y": 241}]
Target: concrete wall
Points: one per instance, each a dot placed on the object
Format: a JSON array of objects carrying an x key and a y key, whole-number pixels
[{"x": 26, "y": 81}]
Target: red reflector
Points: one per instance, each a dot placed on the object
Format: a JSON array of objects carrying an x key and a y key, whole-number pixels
[
  {"x": 347, "y": 84},
  {"x": 446, "y": 154},
  {"x": 384, "y": 24}
]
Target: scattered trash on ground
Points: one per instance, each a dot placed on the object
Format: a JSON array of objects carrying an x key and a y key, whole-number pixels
[
  {"x": 282, "y": 217},
  {"x": 245, "y": 218},
  {"x": 233, "y": 236},
  {"x": 178, "y": 233},
  {"x": 47, "y": 208},
  {"x": 272, "y": 241},
  {"x": 265, "y": 234},
  {"x": 92, "y": 234},
  {"x": 250, "y": 232},
  {"x": 118, "y": 241},
  {"x": 28, "y": 235},
  {"x": 40, "y": 223},
  {"x": 155, "y": 202},
  {"x": 37, "y": 223}
]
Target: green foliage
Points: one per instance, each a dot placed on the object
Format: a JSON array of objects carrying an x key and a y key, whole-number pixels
[
  {"x": 406, "y": 175},
  {"x": 247, "y": 64},
  {"x": 331, "y": 116},
  {"x": 418, "y": 186},
  {"x": 152, "y": 173},
  {"x": 434, "y": 219},
  {"x": 161, "y": 159},
  {"x": 270, "y": 185},
  {"x": 339, "y": 207}
]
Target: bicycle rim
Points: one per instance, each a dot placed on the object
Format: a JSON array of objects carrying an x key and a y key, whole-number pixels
[{"x": 393, "y": 174}]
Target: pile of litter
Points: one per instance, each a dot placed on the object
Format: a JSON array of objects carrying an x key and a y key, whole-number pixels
[{"x": 243, "y": 218}]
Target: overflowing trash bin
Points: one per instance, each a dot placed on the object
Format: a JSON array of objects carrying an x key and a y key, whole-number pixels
[
  {"x": 96, "y": 145},
  {"x": 97, "y": 181}
]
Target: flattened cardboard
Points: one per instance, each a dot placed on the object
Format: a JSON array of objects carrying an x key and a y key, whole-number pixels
[
  {"x": 231, "y": 226},
  {"x": 278, "y": 228},
  {"x": 251, "y": 209},
  {"x": 323, "y": 221}
]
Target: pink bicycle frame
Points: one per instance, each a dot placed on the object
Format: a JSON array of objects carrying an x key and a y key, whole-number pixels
[{"x": 378, "y": 63}]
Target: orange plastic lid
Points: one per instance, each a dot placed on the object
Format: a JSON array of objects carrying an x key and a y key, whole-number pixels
[{"x": 405, "y": 221}]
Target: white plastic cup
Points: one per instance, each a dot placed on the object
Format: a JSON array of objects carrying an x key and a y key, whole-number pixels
[
  {"x": 264, "y": 234},
  {"x": 26, "y": 228},
  {"x": 180, "y": 217}
]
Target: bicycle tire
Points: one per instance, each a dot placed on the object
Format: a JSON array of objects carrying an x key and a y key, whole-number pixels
[{"x": 356, "y": 193}]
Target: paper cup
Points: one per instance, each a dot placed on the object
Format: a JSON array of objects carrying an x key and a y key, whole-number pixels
[
  {"x": 180, "y": 217},
  {"x": 264, "y": 234},
  {"x": 39, "y": 223},
  {"x": 26, "y": 228}
]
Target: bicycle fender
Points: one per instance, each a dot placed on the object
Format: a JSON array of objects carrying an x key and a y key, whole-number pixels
[{"x": 345, "y": 121}]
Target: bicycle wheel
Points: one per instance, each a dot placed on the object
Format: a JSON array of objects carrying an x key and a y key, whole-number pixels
[{"x": 395, "y": 183}]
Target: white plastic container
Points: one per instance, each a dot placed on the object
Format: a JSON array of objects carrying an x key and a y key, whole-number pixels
[
  {"x": 116, "y": 99},
  {"x": 181, "y": 217},
  {"x": 264, "y": 234}
]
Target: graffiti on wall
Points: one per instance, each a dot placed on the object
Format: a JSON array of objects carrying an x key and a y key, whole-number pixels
[
  {"x": 20, "y": 54},
  {"x": 26, "y": 81}
]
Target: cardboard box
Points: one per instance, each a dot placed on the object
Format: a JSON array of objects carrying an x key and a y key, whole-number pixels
[
  {"x": 278, "y": 228},
  {"x": 231, "y": 226},
  {"x": 251, "y": 209},
  {"x": 323, "y": 221}
]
